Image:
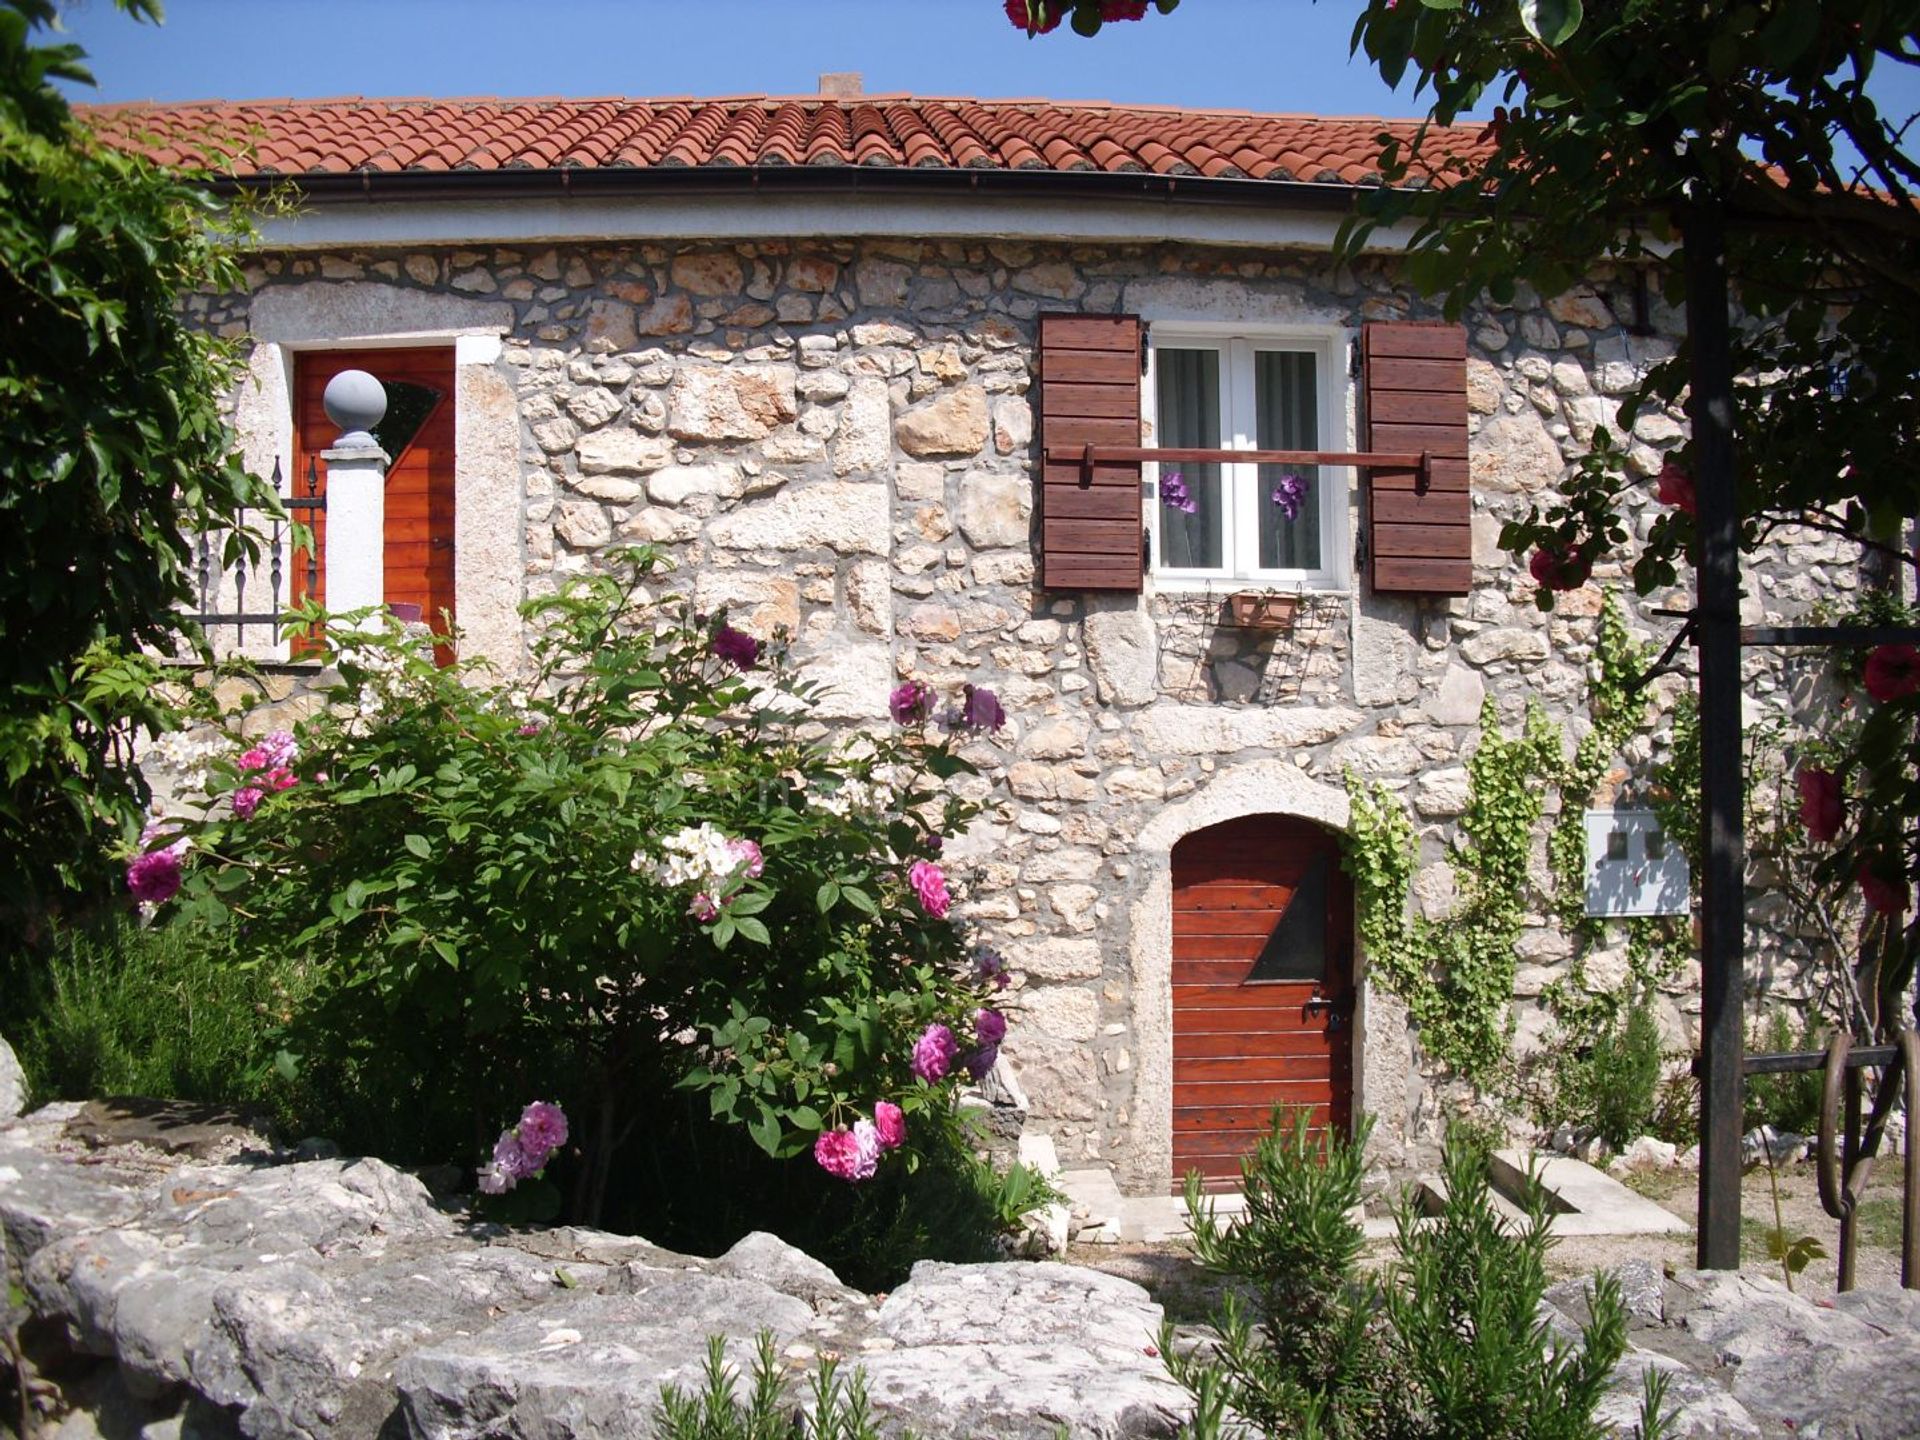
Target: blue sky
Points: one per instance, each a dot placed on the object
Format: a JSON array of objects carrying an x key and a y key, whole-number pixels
[{"x": 1283, "y": 55}]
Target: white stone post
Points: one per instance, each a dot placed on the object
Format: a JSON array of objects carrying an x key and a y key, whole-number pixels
[{"x": 356, "y": 497}]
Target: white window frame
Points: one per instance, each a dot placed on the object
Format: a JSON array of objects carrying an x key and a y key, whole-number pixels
[{"x": 1333, "y": 485}]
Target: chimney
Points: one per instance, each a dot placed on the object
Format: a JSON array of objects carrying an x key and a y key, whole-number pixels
[{"x": 842, "y": 85}]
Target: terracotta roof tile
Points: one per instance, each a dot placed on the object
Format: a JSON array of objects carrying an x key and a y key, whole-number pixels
[{"x": 295, "y": 137}]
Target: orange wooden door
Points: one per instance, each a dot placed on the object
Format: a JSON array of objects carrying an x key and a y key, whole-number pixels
[
  {"x": 417, "y": 435},
  {"x": 1262, "y": 987}
]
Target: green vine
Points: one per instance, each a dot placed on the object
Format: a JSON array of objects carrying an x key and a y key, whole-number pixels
[
  {"x": 1456, "y": 973},
  {"x": 1656, "y": 945}
]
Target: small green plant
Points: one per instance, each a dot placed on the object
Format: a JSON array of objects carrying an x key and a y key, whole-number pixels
[
  {"x": 717, "y": 1412},
  {"x": 161, "y": 1012},
  {"x": 1447, "y": 1343},
  {"x": 1015, "y": 1192},
  {"x": 1463, "y": 1302},
  {"x": 1623, "y": 1074},
  {"x": 1790, "y": 1100},
  {"x": 1793, "y": 1255}
]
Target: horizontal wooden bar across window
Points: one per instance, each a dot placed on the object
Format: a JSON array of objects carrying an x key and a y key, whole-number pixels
[{"x": 1112, "y": 454}]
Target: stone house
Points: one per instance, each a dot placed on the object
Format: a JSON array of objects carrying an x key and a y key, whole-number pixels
[{"x": 856, "y": 363}]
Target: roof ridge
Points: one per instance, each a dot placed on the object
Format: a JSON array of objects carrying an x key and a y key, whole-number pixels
[{"x": 890, "y": 97}]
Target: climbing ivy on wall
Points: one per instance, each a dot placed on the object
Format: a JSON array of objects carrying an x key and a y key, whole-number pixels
[{"x": 1456, "y": 973}]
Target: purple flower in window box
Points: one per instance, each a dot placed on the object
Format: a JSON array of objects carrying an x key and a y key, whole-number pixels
[{"x": 1173, "y": 493}]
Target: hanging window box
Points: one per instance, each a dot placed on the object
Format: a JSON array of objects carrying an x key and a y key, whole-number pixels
[{"x": 1262, "y": 610}]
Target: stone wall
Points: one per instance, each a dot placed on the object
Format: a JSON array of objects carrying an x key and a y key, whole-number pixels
[{"x": 836, "y": 440}]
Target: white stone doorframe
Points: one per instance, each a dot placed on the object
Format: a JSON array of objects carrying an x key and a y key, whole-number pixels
[
  {"x": 489, "y": 566},
  {"x": 1143, "y": 1158}
]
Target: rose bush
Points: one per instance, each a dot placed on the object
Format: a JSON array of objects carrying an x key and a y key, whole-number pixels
[{"x": 644, "y": 872}]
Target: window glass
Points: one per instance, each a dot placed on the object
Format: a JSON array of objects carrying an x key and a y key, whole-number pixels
[
  {"x": 408, "y": 406},
  {"x": 1286, "y": 499},
  {"x": 1191, "y": 519},
  {"x": 1297, "y": 947}
]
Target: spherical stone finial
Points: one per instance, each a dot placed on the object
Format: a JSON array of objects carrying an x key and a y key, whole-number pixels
[{"x": 355, "y": 401}]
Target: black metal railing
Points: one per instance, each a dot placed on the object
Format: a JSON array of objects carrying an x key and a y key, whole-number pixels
[
  {"x": 1849, "y": 1141},
  {"x": 216, "y": 581}
]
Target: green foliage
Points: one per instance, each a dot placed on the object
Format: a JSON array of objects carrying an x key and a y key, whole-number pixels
[
  {"x": 1615, "y": 132},
  {"x": 717, "y": 1412},
  {"x": 1307, "y": 1355},
  {"x": 113, "y": 449},
  {"x": 1083, "y": 17},
  {"x": 1614, "y": 1083},
  {"x": 156, "y": 1012},
  {"x": 1448, "y": 1342},
  {"x": 504, "y": 893},
  {"x": 1456, "y": 974},
  {"x": 1791, "y": 1100},
  {"x": 1464, "y": 1301},
  {"x": 1015, "y": 1193}
]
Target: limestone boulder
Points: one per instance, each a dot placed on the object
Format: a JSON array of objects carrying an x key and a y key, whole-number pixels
[
  {"x": 1009, "y": 1351},
  {"x": 13, "y": 1082},
  {"x": 621, "y": 452}
]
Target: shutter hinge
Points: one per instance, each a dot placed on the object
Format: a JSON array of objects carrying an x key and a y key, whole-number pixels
[
  {"x": 1146, "y": 329},
  {"x": 1354, "y": 361},
  {"x": 1146, "y": 549},
  {"x": 1360, "y": 548}
]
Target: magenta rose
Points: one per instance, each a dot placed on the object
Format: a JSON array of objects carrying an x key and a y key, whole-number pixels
[
  {"x": 736, "y": 647},
  {"x": 890, "y": 1123},
  {"x": 929, "y": 882},
  {"x": 1821, "y": 809},
  {"x": 1893, "y": 672}
]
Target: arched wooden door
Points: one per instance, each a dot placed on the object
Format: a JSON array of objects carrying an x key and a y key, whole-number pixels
[
  {"x": 418, "y": 435},
  {"x": 1262, "y": 987}
]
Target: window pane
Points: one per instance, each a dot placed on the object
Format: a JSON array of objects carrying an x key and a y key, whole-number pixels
[
  {"x": 1287, "y": 417},
  {"x": 1188, "y": 392},
  {"x": 1296, "y": 949},
  {"x": 408, "y": 406}
]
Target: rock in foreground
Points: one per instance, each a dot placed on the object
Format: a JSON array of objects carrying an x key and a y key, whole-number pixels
[{"x": 334, "y": 1298}]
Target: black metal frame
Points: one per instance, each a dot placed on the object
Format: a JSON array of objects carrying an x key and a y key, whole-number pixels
[
  {"x": 313, "y": 503},
  {"x": 1719, "y": 637}
]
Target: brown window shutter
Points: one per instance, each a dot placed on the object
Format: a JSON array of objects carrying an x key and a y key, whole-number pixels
[
  {"x": 1419, "y": 537},
  {"x": 1089, "y": 395}
]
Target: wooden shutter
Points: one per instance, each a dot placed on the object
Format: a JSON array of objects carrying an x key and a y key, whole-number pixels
[
  {"x": 1419, "y": 535},
  {"x": 1089, "y": 395}
]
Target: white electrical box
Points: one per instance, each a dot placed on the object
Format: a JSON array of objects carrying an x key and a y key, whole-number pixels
[{"x": 1633, "y": 866}]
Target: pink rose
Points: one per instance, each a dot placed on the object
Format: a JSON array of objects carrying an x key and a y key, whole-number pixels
[
  {"x": 154, "y": 878},
  {"x": 1821, "y": 808},
  {"x": 246, "y": 800},
  {"x": 543, "y": 1126},
  {"x": 703, "y": 909},
  {"x": 746, "y": 853},
  {"x": 930, "y": 884},
  {"x": 989, "y": 1027},
  {"x": 890, "y": 1123},
  {"x": 837, "y": 1153},
  {"x": 1893, "y": 672},
  {"x": 1676, "y": 488}
]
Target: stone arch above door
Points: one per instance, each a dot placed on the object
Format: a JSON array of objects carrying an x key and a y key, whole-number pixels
[{"x": 1143, "y": 1157}]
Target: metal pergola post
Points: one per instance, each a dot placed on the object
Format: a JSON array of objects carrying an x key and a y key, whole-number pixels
[{"x": 1717, "y": 630}]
